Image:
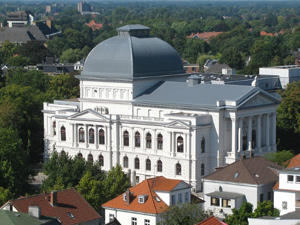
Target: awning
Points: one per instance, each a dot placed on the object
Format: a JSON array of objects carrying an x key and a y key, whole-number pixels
[{"x": 225, "y": 195}]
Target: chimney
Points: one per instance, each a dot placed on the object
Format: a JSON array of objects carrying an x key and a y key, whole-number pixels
[
  {"x": 48, "y": 22},
  {"x": 193, "y": 80},
  {"x": 34, "y": 211},
  {"x": 128, "y": 197},
  {"x": 53, "y": 198}
]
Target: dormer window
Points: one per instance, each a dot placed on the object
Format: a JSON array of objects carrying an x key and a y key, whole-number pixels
[
  {"x": 142, "y": 198},
  {"x": 124, "y": 197}
]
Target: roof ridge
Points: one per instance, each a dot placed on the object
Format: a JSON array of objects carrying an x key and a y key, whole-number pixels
[
  {"x": 252, "y": 175},
  {"x": 150, "y": 193}
]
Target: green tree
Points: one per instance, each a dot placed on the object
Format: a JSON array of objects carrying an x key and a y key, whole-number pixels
[
  {"x": 63, "y": 86},
  {"x": 240, "y": 216},
  {"x": 233, "y": 58},
  {"x": 92, "y": 190},
  {"x": 116, "y": 182},
  {"x": 5, "y": 195},
  {"x": 20, "y": 108},
  {"x": 194, "y": 47},
  {"x": 288, "y": 119},
  {"x": 8, "y": 49},
  {"x": 265, "y": 208},
  {"x": 71, "y": 56},
  {"x": 35, "y": 50},
  {"x": 187, "y": 214},
  {"x": 18, "y": 61},
  {"x": 15, "y": 172},
  {"x": 56, "y": 46},
  {"x": 280, "y": 157}
]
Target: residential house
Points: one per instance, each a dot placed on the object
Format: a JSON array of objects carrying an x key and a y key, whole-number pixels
[
  {"x": 211, "y": 221},
  {"x": 248, "y": 179},
  {"x": 96, "y": 26},
  {"x": 52, "y": 68},
  {"x": 144, "y": 203},
  {"x": 66, "y": 205},
  {"x": 19, "y": 19},
  {"x": 191, "y": 68},
  {"x": 205, "y": 36}
]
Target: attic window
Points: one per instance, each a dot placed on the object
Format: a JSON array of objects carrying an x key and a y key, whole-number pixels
[
  {"x": 157, "y": 199},
  {"x": 71, "y": 215},
  {"x": 142, "y": 198},
  {"x": 256, "y": 175},
  {"x": 236, "y": 175}
]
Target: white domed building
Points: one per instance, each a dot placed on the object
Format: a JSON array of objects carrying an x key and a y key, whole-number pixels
[{"x": 138, "y": 108}]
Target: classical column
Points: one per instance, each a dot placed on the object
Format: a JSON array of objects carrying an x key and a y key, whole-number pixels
[
  {"x": 97, "y": 136},
  {"x": 249, "y": 135},
  {"x": 174, "y": 147},
  {"x": 267, "y": 130},
  {"x": 273, "y": 132},
  {"x": 72, "y": 135},
  {"x": 233, "y": 136},
  {"x": 240, "y": 140},
  {"x": 86, "y": 136},
  {"x": 258, "y": 133}
]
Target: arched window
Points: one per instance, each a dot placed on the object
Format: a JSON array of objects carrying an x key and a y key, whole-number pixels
[
  {"x": 101, "y": 160},
  {"x": 203, "y": 145},
  {"x": 125, "y": 162},
  {"x": 148, "y": 140},
  {"x": 179, "y": 144},
  {"x": 62, "y": 153},
  {"x": 253, "y": 144},
  {"x": 90, "y": 158},
  {"x": 159, "y": 141},
  {"x": 148, "y": 164},
  {"x": 178, "y": 169},
  {"x": 54, "y": 127},
  {"x": 137, "y": 139},
  {"x": 101, "y": 137},
  {"x": 62, "y": 133},
  {"x": 159, "y": 166},
  {"x": 79, "y": 155},
  {"x": 91, "y": 136},
  {"x": 202, "y": 169},
  {"x": 126, "y": 138},
  {"x": 244, "y": 140},
  {"x": 136, "y": 163},
  {"x": 81, "y": 135}
]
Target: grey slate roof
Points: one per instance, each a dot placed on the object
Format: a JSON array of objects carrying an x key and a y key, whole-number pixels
[
  {"x": 21, "y": 34},
  {"x": 129, "y": 57},
  {"x": 133, "y": 27},
  {"x": 225, "y": 195},
  {"x": 170, "y": 93},
  {"x": 255, "y": 170},
  {"x": 217, "y": 68}
]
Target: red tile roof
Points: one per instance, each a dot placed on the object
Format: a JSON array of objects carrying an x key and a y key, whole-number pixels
[
  {"x": 295, "y": 161},
  {"x": 264, "y": 33},
  {"x": 211, "y": 221},
  {"x": 96, "y": 26},
  {"x": 205, "y": 36},
  {"x": 68, "y": 201},
  {"x": 147, "y": 187}
]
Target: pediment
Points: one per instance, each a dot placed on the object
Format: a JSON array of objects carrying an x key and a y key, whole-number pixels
[
  {"x": 182, "y": 185},
  {"x": 89, "y": 115},
  {"x": 259, "y": 100},
  {"x": 178, "y": 124}
]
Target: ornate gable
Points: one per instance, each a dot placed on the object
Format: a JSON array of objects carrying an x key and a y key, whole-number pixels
[
  {"x": 89, "y": 115},
  {"x": 178, "y": 124},
  {"x": 259, "y": 100}
]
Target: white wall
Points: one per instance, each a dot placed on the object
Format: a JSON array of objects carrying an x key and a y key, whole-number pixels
[
  {"x": 284, "y": 196},
  {"x": 260, "y": 221}
]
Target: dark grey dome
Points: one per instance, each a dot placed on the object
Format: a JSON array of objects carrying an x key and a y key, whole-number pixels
[{"x": 131, "y": 54}]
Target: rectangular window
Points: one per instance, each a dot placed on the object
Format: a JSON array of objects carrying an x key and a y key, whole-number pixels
[
  {"x": 137, "y": 179},
  {"x": 133, "y": 221},
  {"x": 147, "y": 222},
  {"x": 290, "y": 178},
  {"x": 180, "y": 198},
  {"x": 111, "y": 217},
  {"x": 186, "y": 196},
  {"x": 298, "y": 179},
  {"x": 261, "y": 197},
  {"x": 269, "y": 196},
  {"x": 173, "y": 200},
  {"x": 226, "y": 203},
  {"x": 215, "y": 201}
]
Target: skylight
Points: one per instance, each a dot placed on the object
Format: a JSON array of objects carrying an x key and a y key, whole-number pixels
[
  {"x": 236, "y": 175},
  {"x": 71, "y": 215},
  {"x": 157, "y": 199}
]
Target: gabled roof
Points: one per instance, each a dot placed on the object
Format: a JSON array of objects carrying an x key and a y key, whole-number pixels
[
  {"x": 211, "y": 221},
  {"x": 217, "y": 68},
  {"x": 153, "y": 204},
  {"x": 21, "y": 34},
  {"x": 68, "y": 201},
  {"x": 255, "y": 170},
  {"x": 205, "y": 35},
  {"x": 295, "y": 161}
]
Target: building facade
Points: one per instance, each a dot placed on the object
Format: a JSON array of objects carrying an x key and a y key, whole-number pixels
[{"x": 139, "y": 108}]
